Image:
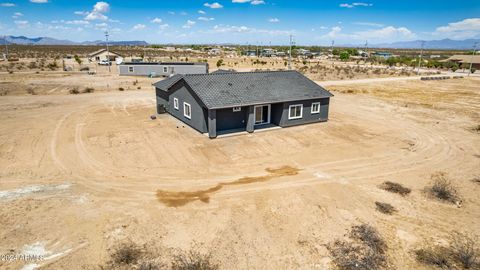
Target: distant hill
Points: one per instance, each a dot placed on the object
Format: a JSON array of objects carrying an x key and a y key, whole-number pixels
[{"x": 22, "y": 40}]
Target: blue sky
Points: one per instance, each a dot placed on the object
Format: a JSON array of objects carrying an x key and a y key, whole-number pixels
[{"x": 312, "y": 22}]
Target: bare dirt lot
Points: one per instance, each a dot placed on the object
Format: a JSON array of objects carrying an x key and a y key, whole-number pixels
[{"x": 81, "y": 174}]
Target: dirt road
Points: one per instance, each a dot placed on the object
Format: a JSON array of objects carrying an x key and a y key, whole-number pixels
[{"x": 81, "y": 173}]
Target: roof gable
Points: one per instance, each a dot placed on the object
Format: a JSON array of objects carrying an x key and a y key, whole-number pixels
[{"x": 222, "y": 90}]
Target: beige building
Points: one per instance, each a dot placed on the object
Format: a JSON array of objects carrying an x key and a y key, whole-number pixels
[
  {"x": 465, "y": 60},
  {"x": 101, "y": 55}
]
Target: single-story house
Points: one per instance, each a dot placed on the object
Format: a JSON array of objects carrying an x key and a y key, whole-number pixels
[
  {"x": 465, "y": 60},
  {"x": 101, "y": 55},
  {"x": 242, "y": 101},
  {"x": 161, "y": 69}
]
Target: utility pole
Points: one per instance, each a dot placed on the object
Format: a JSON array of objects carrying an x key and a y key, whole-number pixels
[
  {"x": 6, "y": 47},
  {"x": 108, "y": 53},
  {"x": 290, "y": 54},
  {"x": 421, "y": 56},
  {"x": 333, "y": 58},
  {"x": 366, "y": 53},
  {"x": 473, "y": 56}
]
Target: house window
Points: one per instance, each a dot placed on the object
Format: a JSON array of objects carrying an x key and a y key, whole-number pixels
[
  {"x": 175, "y": 103},
  {"x": 130, "y": 69},
  {"x": 187, "y": 110},
  {"x": 295, "y": 111},
  {"x": 315, "y": 107},
  {"x": 165, "y": 69},
  {"x": 237, "y": 109}
]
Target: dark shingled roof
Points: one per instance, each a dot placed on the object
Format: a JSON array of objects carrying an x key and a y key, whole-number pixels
[{"x": 223, "y": 90}]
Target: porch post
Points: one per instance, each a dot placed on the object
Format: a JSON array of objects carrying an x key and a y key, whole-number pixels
[
  {"x": 212, "y": 124},
  {"x": 250, "y": 119}
]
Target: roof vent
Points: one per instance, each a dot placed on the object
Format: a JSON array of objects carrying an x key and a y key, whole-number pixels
[{"x": 230, "y": 84}]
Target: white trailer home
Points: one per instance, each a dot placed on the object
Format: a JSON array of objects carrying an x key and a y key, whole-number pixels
[{"x": 161, "y": 69}]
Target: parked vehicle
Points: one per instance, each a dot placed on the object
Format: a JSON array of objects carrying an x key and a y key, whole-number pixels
[{"x": 105, "y": 63}]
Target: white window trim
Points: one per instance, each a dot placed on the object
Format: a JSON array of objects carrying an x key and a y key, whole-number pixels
[
  {"x": 133, "y": 69},
  {"x": 190, "y": 110},
  {"x": 316, "y": 103},
  {"x": 237, "y": 109},
  {"x": 290, "y": 110},
  {"x": 175, "y": 103}
]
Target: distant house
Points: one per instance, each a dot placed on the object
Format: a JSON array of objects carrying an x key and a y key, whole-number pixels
[
  {"x": 161, "y": 69},
  {"x": 465, "y": 60},
  {"x": 268, "y": 52},
  {"x": 214, "y": 51},
  {"x": 384, "y": 55},
  {"x": 101, "y": 55},
  {"x": 250, "y": 53},
  {"x": 242, "y": 101}
]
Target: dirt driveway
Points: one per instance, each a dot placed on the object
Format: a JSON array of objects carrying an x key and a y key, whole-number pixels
[{"x": 81, "y": 173}]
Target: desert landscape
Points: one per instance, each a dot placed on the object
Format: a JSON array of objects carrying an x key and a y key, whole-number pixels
[{"x": 89, "y": 181}]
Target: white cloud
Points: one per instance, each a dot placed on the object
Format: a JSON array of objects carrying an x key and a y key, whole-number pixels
[
  {"x": 356, "y": 4},
  {"x": 156, "y": 20},
  {"x": 205, "y": 19},
  {"x": 22, "y": 24},
  {"x": 183, "y": 13},
  {"x": 390, "y": 33},
  {"x": 189, "y": 24},
  {"x": 274, "y": 20},
  {"x": 139, "y": 27},
  {"x": 77, "y": 22},
  {"x": 101, "y": 26},
  {"x": 163, "y": 26},
  {"x": 257, "y": 2},
  {"x": 241, "y": 1},
  {"x": 16, "y": 15},
  {"x": 201, "y": 12},
  {"x": 369, "y": 24},
  {"x": 7, "y": 4},
  {"x": 213, "y": 5},
  {"x": 81, "y": 13},
  {"x": 467, "y": 28},
  {"x": 39, "y": 1},
  {"x": 171, "y": 13},
  {"x": 98, "y": 12},
  {"x": 244, "y": 29}
]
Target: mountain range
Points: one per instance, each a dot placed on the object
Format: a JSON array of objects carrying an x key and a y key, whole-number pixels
[
  {"x": 465, "y": 44},
  {"x": 22, "y": 40}
]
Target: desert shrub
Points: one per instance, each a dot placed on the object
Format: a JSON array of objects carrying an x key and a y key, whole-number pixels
[
  {"x": 10, "y": 71},
  {"x": 366, "y": 251},
  {"x": 385, "y": 208},
  {"x": 32, "y": 65},
  {"x": 31, "y": 91},
  {"x": 53, "y": 66},
  {"x": 126, "y": 254},
  {"x": 435, "y": 256},
  {"x": 476, "y": 128},
  {"x": 476, "y": 180},
  {"x": 443, "y": 189},
  {"x": 193, "y": 260},
  {"x": 135, "y": 82},
  {"x": 395, "y": 188},
  {"x": 120, "y": 89},
  {"x": 464, "y": 250},
  {"x": 89, "y": 90},
  {"x": 84, "y": 69},
  {"x": 74, "y": 91},
  {"x": 139, "y": 87}
]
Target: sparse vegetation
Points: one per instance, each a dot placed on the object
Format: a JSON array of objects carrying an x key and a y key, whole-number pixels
[
  {"x": 74, "y": 91},
  {"x": 89, "y": 90},
  {"x": 385, "y": 208},
  {"x": 443, "y": 189},
  {"x": 126, "y": 254},
  {"x": 476, "y": 128},
  {"x": 461, "y": 251},
  {"x": 365, "y": 251},
  {"x": 193, "y": 260},
  {"x": 395, "y": 188},
  {"x": 121, "y": 89}
]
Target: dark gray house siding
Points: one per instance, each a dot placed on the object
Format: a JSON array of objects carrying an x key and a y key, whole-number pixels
[
  {"x": 207, "y": 93},
  {"x": 307, "y": 115},
  {"x": 180, "y": 91}
]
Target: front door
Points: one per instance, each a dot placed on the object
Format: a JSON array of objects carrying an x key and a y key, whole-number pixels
[{"x": 262, "y": 114}]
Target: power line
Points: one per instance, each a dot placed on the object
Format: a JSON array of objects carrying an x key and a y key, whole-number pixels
[
  {"x": 290, "y": 53},
  {"x": 108, "y": 53},
  {"x": 421, "y": 56}
]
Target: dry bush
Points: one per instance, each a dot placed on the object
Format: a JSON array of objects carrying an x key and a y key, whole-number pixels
[
  {"x": 395, "y": 188},
  {"x": 464, "y": 250},
  {"x": 385, "y": 208},
  {"x": 461, "y": 251},
  {"x": 74, "y": 91},
  {"x": 84, "y": 69},
  {"x": 476, "y": 180},
  {"x": 121, "y": 89},
  {"x": 31, "y": 91},
  {"x": 435, "y": 256},
  {"x": 126, "y": 254},
  {"x": 476, "y": 128},
  {"x": 366, "y": 251},
  {"x": 89, "y": 90},
  {"x": 443, "y": 189},
  {"x": 193, "y": 260}
]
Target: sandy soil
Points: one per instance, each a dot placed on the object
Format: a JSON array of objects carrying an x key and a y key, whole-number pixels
[{"x": 80, "y": 174}]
